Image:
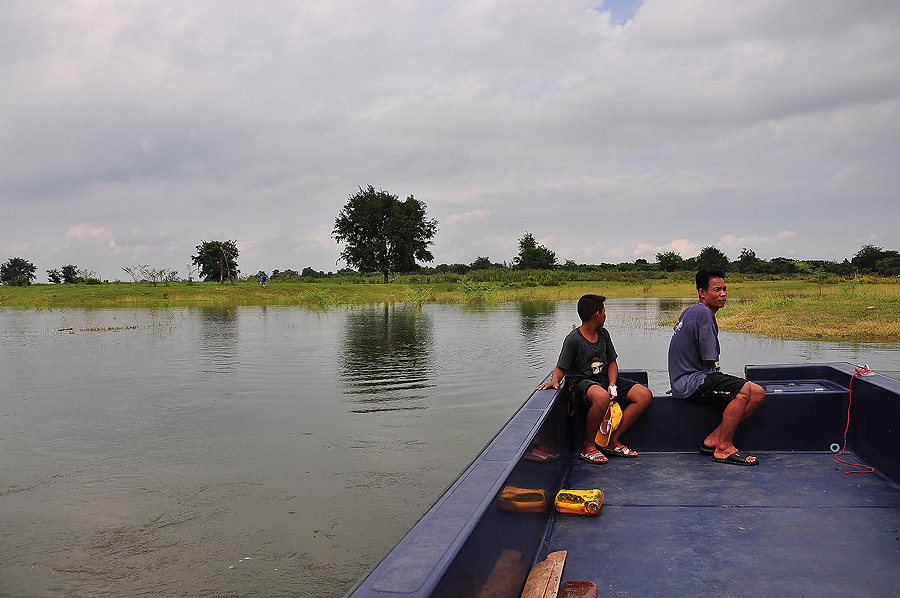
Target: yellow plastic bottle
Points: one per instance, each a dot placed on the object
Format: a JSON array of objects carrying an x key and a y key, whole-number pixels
[
  {"x": 580, "y": 502},
  {"x": 610, "y": 422}
]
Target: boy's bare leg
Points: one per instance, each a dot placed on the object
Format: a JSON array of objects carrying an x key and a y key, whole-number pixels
[
  {"x": 639, "y": 398},
  {"x": 599, "y": 400}
]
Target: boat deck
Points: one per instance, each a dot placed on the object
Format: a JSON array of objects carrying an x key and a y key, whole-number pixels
[
  {"x": 677, "y": 524},
  {"x": 674, "y": 523}
]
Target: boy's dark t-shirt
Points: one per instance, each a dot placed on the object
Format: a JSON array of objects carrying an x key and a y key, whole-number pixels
[{"x": 578, "y": 354}]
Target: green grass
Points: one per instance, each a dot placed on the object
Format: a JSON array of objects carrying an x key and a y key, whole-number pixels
[
  {"x": 861, "y": 312},
  {"x": 859, "y": 309}
]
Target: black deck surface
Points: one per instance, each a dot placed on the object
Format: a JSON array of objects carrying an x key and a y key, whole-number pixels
[{"x": 677, "y": 524}]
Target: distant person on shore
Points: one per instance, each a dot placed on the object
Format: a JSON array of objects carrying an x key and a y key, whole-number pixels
[
  {"x": 263, "y": 279},
  {"x": 588, "y": 363},
  {"x": 695, "y": 375}
]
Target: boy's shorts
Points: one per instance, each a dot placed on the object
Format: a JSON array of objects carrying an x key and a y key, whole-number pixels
[
  {"x": 580, "y": 388},
  {"x": 717, "y": 390}
]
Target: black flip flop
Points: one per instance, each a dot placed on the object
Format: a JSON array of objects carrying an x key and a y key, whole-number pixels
[
  {"x": 707, "y": 450},
  {"x": 736, "y": 458}
]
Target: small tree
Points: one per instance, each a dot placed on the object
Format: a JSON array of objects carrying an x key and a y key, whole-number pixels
[
  {"x": 136, "y": 273},
  {"x": 711, "y": 258},
  {"x": 17, "y": 272},
  {"x": 533, "y": 256},
  {"x": 383, "y": 234},
  {"x": 157, "y": 275},
  {"x": 217, "y": 260},
  {"x": 190, "y": 271},
  {"x": 70, "y": 274},
  {"x": 483, "y": 263},
  {"x": 669, "y": 261},
  {"x": 748, "y": 262},
  {"x": 54, "y": 276}
]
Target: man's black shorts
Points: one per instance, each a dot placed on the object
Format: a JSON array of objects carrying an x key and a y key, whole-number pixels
[
  {"x": 717, "y": 390},
  {"x": 623, "y": 387}
]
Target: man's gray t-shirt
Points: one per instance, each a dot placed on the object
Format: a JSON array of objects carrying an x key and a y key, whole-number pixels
[
  {"x": 578, "y": 355},
  {"x": 695, "y": 341}
]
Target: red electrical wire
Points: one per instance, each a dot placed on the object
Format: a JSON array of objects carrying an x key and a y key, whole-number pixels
[{"x": 866, "y": 468}]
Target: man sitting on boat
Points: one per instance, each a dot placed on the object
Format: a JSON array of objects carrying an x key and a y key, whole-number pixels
[
  {"x": 695, "y": 375},
  {"x": 588, "y": 363}
]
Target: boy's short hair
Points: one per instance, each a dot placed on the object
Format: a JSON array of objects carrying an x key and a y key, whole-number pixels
[
  {"x": 703, "y": 277},
  {"x": 588, "y": 305}
]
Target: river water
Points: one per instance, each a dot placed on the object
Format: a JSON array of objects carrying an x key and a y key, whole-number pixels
[{"x": 272, "y": 451}]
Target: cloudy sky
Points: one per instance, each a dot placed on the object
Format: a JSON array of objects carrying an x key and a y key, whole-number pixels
[{"x": 610, "y": 130}]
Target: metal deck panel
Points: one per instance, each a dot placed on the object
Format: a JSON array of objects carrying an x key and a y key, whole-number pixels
[{"x": 677, "y": 524}]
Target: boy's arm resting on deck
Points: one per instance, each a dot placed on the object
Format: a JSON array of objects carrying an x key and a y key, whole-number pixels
[{"x": 555, "y": 379}]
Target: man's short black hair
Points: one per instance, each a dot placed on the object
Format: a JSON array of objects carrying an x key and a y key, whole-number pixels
[
  {"x": 588, "y": 305},
  {"x": 703, "y": 277}
]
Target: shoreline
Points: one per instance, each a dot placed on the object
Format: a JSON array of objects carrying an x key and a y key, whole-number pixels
[{"x": 789, "y": 309}]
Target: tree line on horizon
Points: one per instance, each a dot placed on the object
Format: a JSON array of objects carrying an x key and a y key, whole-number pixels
[
  {"x": 384, "y": 235},
  {"x": 214, "y": 264}
]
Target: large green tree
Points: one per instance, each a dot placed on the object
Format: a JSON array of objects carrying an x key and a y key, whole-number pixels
[
  {"x": 17, "y": 272},
  {"x": 533, "y": 256},
  {"x": 383, "y": 234},
  {"x": 217, "y": 260}
]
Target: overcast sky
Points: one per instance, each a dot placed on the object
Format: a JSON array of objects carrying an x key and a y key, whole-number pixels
[{"x": 131, "y": 131}]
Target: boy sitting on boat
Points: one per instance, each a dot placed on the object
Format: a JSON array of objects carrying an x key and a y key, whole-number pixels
[{"x": 588, "y": 363}]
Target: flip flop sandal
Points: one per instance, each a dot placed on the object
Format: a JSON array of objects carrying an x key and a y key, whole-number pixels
[
  {"x": 594, "y": 456},
  {"x": 707, "y": 450},
  {"x": 619, "y": 451},
  {"x": 736, "y": 458}
]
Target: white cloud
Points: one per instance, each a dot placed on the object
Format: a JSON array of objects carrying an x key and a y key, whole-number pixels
[
  {"x": 473, "y": 215},
  {"x": 683, "y": 247},
  {"x": 734, "y": 244},
  {"x": 86, "y": 231}
]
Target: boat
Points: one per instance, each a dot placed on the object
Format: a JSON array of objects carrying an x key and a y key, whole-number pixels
[{"x": 819, "y": 515}]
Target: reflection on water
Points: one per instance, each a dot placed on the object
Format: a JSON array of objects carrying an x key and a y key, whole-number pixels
[
  {"x": 218, "y": 339},
  {"x": 668, "y": 310},
  {"x": 537, "y": 327},
  {"x": 386, "y": 359},
  {"x": 536, "y": 316}
]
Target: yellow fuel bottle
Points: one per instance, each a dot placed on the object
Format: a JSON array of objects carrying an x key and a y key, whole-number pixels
[{"x": 580, "y": 502}]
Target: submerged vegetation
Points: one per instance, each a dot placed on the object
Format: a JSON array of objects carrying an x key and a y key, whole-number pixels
[{"x": 861, "y": 308}]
